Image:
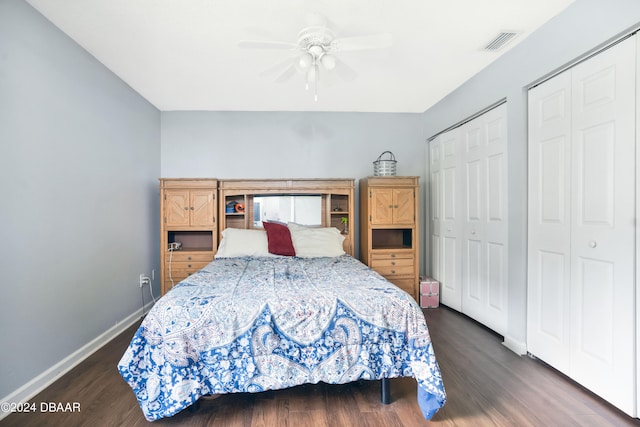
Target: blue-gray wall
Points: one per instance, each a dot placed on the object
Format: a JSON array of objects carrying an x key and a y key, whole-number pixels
[
  {"x": 79, "y": 163},
  {"x": 281, "y": 144},
  {"x": 290, "y": 145},
  {"x": 581, "y": 28}
]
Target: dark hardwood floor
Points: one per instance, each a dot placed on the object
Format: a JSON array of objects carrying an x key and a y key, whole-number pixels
[{"x": 487, "y": 385}]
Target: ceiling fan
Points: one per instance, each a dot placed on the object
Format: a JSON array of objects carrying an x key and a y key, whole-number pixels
[{"x": 317, "y": 48}]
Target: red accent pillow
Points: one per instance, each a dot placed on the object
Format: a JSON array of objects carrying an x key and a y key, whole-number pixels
[{"x": 279, "y": 238}]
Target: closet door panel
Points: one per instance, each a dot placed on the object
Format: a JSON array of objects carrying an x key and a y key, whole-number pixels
[
  {"x": 553, "y": 289},
  {"x": 436, "y": 257},
  {"x": 603, "y": 227},
  {"x": 473, "y": 273},
  {"x": 469, "y": 217},
  {"x": 597, "y": 278},
  {"x": 435, "y": 208},
  {"x": 474, "y": 261},
  {"x": 549, "y": 235},
  {"x": 495, "y": 275},
  {"x": 495, "y": 188},
  {"x": 496, "y": 224},
  {"x": 553, "y": 174},
  {"x": 450, "y": 284},
  {"x": 485, "y": 223},
  {"x": 451, "y": 270},
  {"x": 474, "y": 194}
]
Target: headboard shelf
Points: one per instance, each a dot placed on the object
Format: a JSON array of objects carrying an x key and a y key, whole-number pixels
[
  {"x": 336, "y": 201},
  {"x": 287, "y": 186}
]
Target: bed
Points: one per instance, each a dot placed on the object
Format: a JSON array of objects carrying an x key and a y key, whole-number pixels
[{"x": 253, "y": 320}]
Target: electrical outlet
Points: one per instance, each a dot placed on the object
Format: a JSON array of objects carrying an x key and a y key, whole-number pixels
[{"x": 144, "y": 280}]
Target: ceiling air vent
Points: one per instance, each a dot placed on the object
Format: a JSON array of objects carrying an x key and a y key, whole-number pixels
[{"x": 500, "y": 40}]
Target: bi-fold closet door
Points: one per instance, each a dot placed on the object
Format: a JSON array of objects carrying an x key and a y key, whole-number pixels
[
  {"x": 581, "y": 239},
  {"x": 468, "y": 183}
]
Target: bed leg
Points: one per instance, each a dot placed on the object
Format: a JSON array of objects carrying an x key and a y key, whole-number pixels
[{"x": 385, "y": 391}]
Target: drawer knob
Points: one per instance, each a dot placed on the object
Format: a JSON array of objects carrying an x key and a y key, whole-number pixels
[
  {"x": 393, "y": 263},
  {"x": 393, "y": 255},
  {"x": 189, "y": 265},
  {"x": 189, "y": 258},
  {"x": 593, "y": 244},
  {"x": 393, "y": 272}
]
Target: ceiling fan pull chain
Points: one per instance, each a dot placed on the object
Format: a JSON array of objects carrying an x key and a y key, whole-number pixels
[{"x": 317, "y": 76}]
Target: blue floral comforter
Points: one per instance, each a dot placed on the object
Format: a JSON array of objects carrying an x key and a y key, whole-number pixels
[{"x": 254, "y": 324}]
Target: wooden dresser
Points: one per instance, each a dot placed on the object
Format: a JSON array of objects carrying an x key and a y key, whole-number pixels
[
  {"x": 389, "y": 240},
  {"x": 189, "y": 217}
]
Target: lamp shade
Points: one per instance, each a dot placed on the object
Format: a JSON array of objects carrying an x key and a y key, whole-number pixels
[
  {"x": 305, "y": 60},
  {"x": 328, "y": 61}
]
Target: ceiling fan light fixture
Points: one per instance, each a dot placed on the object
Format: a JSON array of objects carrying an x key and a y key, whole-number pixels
[
  {"x": 328, "y": 61},
  {"x": 316, "y": 50},
  {"x": 317, "y": 47},
  {"x": 305, "y": 60}
]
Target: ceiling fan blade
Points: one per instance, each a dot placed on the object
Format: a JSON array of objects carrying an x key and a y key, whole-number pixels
[
  {"x": 375, "y": 41},
  {"x": 286, "y": 74},
  {"x": 279, "y": 66},
  {"x": 263, "y": 44},
  {"x": 344, "y": 71}
]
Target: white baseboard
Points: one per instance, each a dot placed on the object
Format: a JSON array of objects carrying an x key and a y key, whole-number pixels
[
  {"x": 518, "y": 347},
  {"x": 48, "y": 377}
]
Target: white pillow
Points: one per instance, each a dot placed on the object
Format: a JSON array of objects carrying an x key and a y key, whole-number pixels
[
  {"x": 316, "y": 241},
  {"x": 238, "y": 242}
]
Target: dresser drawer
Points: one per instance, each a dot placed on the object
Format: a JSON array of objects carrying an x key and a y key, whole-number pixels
[
  {"x": 395, "y": 271},
  {"x": 393, "y": 266},
  {"x": 178, "y": 275},
  {"x": 178, "y": 256},
  {"x": 187, "y": 265},
  {"x": 391, "y": 262},
  {"x": 391, "y": 255}
]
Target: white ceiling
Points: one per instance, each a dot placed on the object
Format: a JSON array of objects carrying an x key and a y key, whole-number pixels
[{"x": 184, "y": 54}]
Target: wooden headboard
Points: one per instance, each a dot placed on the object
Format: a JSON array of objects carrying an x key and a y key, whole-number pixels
[{"x": 337, "y": 201}]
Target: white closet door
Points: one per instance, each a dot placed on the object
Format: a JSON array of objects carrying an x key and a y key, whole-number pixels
[
  {"x": 451, "y": 247},
  {"x": 435, "y": 208},
  {"x": 484, "y": 258},
  {"x": 603, "y": 226},
  {"x": 549, "y": 272},
  {"x": 581, "y": 307}
]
